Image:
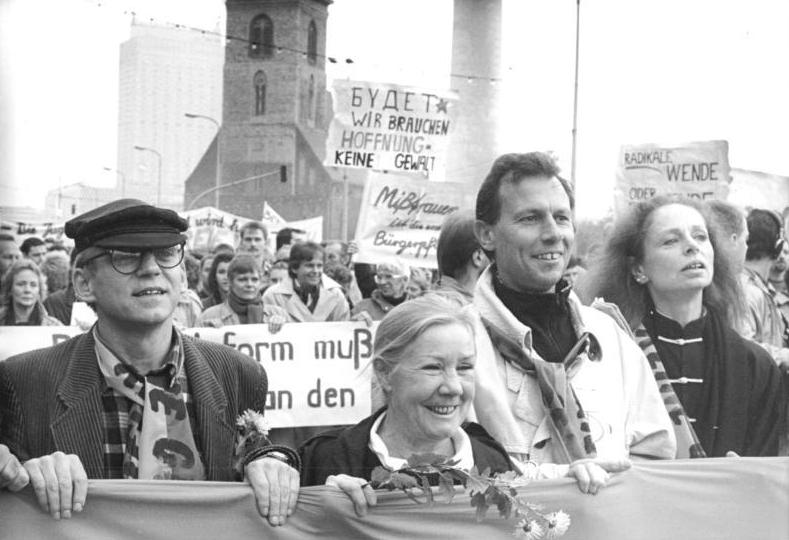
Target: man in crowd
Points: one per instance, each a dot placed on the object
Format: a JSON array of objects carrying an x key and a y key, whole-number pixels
[
  {"x": 133, "y": 397},
  {"x": 557, "y": 382},
  {"x": 286, "y": 239},
  {"x": 254, "y": 238},
  {"x": 763, "y": 321},
  {"x": 391, "y": 278},
  {"x": 34, "y": 248},
  {"x": 461, "y": 259},
  {"x": 9, "y": 253}
]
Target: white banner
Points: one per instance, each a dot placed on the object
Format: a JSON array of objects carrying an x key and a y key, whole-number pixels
[
  {"x": 699, "y": 170},
  {"x": 389, "y": 127},
  {"x": 45, "y": 230},
  {"x": 209, "y": 227},
  {"x": 319, "y": 373},
  {"x": 401, "y": 216}
]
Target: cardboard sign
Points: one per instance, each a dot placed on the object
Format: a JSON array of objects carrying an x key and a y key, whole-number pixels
[
  {"x": 388, "y": 127},
  {"x": 401, "y": 216},
  {"x": 698, "y": 170}
]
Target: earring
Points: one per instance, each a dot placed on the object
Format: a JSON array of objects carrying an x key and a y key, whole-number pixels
[{"x": 640, "y": 279}]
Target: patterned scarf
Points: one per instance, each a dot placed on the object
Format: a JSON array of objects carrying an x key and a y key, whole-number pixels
[
  {"x": 160, "y": 445},
  {"x": 565, "y": 413},
  {"x": 688, "y": 445},
  {"x": 248, "y": 311}
]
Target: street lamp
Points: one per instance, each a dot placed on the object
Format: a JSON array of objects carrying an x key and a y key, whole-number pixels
[
  {"x": 159, "y": 169},
  {"x": 218, "y": 179},
  {"x": 123, "y": 180}
]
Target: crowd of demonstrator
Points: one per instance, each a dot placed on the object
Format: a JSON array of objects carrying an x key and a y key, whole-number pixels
[{"x": 673, "y": 343}]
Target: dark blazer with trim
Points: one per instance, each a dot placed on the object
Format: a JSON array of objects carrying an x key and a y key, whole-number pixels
[
  {"x": 50, "y": 400},
  {"x": 346, "y": 451}
]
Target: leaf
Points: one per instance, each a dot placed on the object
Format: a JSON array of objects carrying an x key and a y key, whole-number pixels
[
  {"x": 446, "y": 486},
  {"x": 381, "y": 477},
  {"x": 478, "y": 502},
  {"x": 506, "y": 477},
  {"x": 403, "y": 481},
  {"x": 427, "y": 491},
  {"x": 419, "y": 460},
  {"x": 504, "y": 505},
  {"x": 476, "y": 483}
]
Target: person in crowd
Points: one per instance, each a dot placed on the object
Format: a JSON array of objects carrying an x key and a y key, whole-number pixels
[
  {"x": 192, "y": 269},
  {"x": 391, "y": 277},
  {"x": 661, "y": 266},
  {"x": 58, "y": 420},
  {"x": 20, "y": 296},
  {"x": 243, "y": 304},
  {"x": 424, "y": 359},
  {"x": 575, "y": 269},
  {"x": 308, "y": 295},
  {"x": 222, "y": 247},
  {"x": 278, "y": 272},
  {"x": 417, "y": 285},
  {"x": 189, "y": 307},
  {"x": 218, "y": 284},
  {"x": 59, "y": 304},
  {"x": 557, "y": 382},
  {"x": 254, "y": 239},
  {"x": 763, "y": 322},
  {"x": 205, "y": 272},
  {"x": 342, "y": 275},
  {"x": 33, "y": 248},
  {"x": 55, "y": 267},
  {"x": 288, "y": 236},
  {"x": 778, "y": 271},
  {"x": 9, "y": 253},
  {"x": 731, "y": 242},
  {"x": 461, "y": 259},
  {"x": 339, "y": 254}
]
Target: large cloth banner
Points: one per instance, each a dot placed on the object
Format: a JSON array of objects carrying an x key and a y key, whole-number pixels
[
  {"x": 209, "y": 227},
  {"x": 319, "y": 373},
  {"x": 710, "y": 499},
  {"x": 45, "y": 230},
  {"x": 401, "y": 216},
  {"x": 312, "y": 227},
  {"x": 698, "y": 170},
  {"x": 388, "y": 127}
]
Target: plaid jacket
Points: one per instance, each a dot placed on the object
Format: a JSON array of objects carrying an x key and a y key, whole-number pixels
[{"x": 51, "y": 399}]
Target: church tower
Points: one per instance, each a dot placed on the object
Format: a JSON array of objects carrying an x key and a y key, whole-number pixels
[{"x": 275, "y": 107}]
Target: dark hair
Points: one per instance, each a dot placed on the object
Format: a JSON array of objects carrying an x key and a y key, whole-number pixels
[
  {"x": 56, "y": 268},
  {"x": 223, "y": 248},
  {"x": 513, "y": 168},
  {"x": 212, "y": 287},
  {"x": 339, "y": 273},
  {"x": 576, "y": 261},
  {"x": 253, "y": 225},
  {"x": 456, "y": 243},
  {"x": 285, "y": 236},
  {"x": 611, "y": 276},
  {"x": 243, "y": 263},
  {"x": 192, "y": 268},
  {"x": 29, "y": 243},
  {"x": 728, "y": 218},
  {"x": 301, "y": 253},
  {"x": 765, "y": 233}
]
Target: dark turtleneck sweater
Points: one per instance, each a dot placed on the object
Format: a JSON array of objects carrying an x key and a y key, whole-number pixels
[{"x": 548, "y": 316}]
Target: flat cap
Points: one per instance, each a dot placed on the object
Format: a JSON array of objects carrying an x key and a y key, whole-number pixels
[{"x": 127, "y": 224}]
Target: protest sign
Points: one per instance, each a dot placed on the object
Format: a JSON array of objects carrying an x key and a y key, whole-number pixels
[
  {"x": 401, "y": 216},
  {"x": 388, "y": 127},
  {"x": 699, "y": 170},
  {"x": 46, "y": 230},
  {"x": 702, "y": 499},
  {"x": 313, "y": 227},
  {"x": 318, "y": 373},
  {"x": 209, "y": 227}
]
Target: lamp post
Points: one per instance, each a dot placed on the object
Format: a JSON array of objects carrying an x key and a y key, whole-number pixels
[
  {"x": 123, "y": 179},
  {"x": 159, "y": 169},
  {"x": 218, "y": 179},
  {"x": 231, "y": 184}
]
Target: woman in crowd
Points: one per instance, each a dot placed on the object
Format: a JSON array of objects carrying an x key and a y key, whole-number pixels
[
  {"x": 424, "y": 360},
  {"x": 243, "y": 304},
  {"x": 663, "y": 268},
  {"x": 218, "y": 284},
  {"x": 21, "y": 296},
  {"x": 308, "y": 295}
]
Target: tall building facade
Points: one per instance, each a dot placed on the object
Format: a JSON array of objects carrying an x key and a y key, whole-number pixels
[
  {"x": 166, "y": 72},
  {"x": 275, "y": 112}
]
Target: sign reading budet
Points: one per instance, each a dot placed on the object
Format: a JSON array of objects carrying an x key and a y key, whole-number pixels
[
  {"x": 401, "y": 216},
  {"x": 390, "y": 127},
  {"x": 319, "y": 373},
  {"x": 698, "y": 170}
]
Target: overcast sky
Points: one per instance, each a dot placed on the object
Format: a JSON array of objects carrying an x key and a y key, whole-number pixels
[{"x": 667, "y": 72}]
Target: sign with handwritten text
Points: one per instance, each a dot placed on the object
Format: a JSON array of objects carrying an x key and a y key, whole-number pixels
[
  {"x": 699, "y": 170},
  {"x": 401, "y": 216},
  {"x": 389, "y": 127}
]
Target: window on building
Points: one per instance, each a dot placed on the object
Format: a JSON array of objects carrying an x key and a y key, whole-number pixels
[
  {"x": 260, "y": 93},
  {"x": 312, "y": 43},
  {"x": 261, "y": 37}
]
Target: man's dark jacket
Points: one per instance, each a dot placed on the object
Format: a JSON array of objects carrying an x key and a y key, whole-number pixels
[{"x": 50, "y": 400}]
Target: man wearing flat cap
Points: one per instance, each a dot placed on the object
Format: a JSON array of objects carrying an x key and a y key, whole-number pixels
[{"x": 132, "y": 397}]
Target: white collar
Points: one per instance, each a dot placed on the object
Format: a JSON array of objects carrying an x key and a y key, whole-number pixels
[{"x": 463, "y": 453}]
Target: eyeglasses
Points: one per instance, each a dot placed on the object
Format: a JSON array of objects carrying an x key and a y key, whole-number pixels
[
  {"x": 380, "y": 278},
  {"x": 128, "y": 262}
]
